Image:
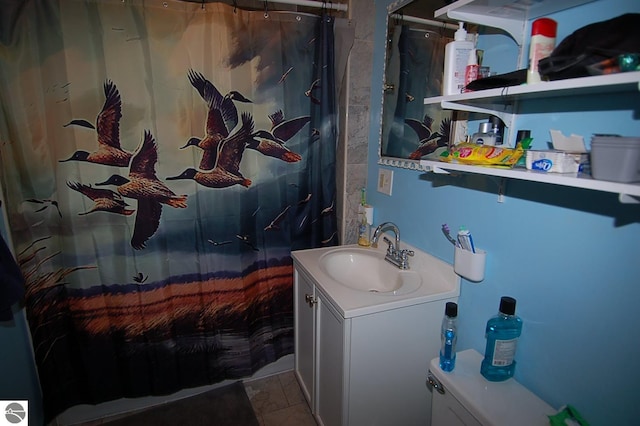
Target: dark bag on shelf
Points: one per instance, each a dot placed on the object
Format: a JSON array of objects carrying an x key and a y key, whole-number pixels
[
  {"x": 593, "y": 49},
  {"x": 513, "y": 78}
]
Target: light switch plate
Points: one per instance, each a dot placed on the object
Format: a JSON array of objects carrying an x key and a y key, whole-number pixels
[{"x": 385, "y": 181}]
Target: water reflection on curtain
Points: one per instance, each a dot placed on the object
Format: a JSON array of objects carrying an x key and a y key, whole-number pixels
[
  {"x": 160, "y": 161},
  {"x": 414, "y": 69}
]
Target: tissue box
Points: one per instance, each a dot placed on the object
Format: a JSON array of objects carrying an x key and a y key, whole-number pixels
[
  {"x": 556, "y": 161},
  {"x": 615, "y": 158}
]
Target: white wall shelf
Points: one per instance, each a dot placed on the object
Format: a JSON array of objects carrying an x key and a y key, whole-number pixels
[
  {"x": 501, "y": 101},
  {"x": 512, "y": 16},
  {"x": 628, "y": 193},
  {"x": 506, "y": 96},
  {"x": 508, "y": 15}
]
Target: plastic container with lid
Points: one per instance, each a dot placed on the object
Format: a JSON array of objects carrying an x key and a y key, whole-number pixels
[
  {"x": 615, "y": 158},
  {"x": 484, "y": 135}
]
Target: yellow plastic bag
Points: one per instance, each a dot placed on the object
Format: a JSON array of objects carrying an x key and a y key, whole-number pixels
[{"x": 482, "y": 155}]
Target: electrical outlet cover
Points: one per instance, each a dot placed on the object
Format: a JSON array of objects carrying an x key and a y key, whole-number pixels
[{"x": 385, "y": 181}]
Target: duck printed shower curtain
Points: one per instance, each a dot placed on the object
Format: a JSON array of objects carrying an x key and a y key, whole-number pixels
[{"x": 159, "y": 162}]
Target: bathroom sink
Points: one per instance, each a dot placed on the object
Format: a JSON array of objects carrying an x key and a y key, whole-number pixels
[{"x": 365, "y": 269}]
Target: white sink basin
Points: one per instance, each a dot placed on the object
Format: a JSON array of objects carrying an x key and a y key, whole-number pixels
[
  {"x": 366, "y": 270},
  {"x": 358, "y": 281}
]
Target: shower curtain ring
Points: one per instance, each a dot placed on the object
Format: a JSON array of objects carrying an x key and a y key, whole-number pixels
[
  {"x": 266, "y": 9},
  {"x": 235, "y": 6}
]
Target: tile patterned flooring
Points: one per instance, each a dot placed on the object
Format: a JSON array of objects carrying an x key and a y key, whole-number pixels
[{"x": 278, "y": 401}]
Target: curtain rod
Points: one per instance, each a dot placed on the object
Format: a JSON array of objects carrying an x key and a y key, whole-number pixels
[
  {"x": 312, "y": 3},
  {"x": 417, "y": 20}
]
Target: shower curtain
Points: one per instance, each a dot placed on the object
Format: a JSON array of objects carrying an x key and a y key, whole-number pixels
[{"x": 160, "y": 160}]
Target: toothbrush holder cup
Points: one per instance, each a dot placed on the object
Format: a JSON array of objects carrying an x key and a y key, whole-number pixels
[{"x": 470, "y": 265}]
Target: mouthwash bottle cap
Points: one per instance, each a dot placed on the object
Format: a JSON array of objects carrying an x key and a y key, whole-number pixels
[
  {"x": 507, "y": 305},
  {"x": 451, "y": 309},
  {"x": 461, "y": 33}
]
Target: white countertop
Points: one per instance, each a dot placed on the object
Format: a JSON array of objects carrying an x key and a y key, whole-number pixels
[{"x": 439, "y": 281}]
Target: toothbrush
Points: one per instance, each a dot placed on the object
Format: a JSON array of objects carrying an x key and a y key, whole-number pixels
[
  {"x": 446, "y": 232},
  {"x": 465, "y": 239}
]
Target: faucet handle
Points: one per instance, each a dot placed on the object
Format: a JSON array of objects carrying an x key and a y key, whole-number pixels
[
  {"x": 390, "y": 243},
  {"x": 404, "y": 262},
  {"x": 405, "y": 253}
]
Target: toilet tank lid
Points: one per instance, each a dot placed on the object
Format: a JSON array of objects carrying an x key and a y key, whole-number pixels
[{"x": 491, "y": 403}]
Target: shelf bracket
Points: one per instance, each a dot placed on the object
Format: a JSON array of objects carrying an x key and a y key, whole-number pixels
[
  {"x": 506, "y": 117},
  {"x": 435, "y": 169},
  {"x": 501, "y": 183},
  {"x": 513, "y": 27},
  {"x": 502, "y": 186},
  {"x": 628, "y": 199}
]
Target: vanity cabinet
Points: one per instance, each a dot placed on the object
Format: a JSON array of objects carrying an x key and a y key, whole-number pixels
[
  {"x": 365, "y": 369},
  {"x": 319, "y": 336}
]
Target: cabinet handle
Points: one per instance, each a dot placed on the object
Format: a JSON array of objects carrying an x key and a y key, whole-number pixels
[{"x": 310, "y": 300}]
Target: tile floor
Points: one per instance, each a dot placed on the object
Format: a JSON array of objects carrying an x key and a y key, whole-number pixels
[{"x": 278, "y": 401}]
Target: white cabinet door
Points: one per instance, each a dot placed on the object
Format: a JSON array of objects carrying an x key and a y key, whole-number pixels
[
  {"x": 365, "y": 370},
  {"x": 330, "y": 356},
  {"x": 304, "y": 329}
]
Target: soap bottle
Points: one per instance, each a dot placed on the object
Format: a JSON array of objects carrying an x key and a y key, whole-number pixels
[
  {"x": 364, "y": 231},
  {"x": 502, "y": 333},
  {"x": 456, "y": 56},
  {"x": 449, "y": 337}
]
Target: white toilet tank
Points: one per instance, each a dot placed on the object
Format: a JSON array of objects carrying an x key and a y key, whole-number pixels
[{"x": 463, "y": 397}]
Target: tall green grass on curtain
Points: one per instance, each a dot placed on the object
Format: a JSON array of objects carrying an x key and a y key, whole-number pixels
[{"x": 160, "y": 162}]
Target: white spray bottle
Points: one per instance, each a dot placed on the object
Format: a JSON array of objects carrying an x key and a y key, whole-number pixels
[{"x": 456, "y": 55}]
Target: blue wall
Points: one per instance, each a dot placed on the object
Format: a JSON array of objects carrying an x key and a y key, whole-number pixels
[{"x": 569, "y": 256}]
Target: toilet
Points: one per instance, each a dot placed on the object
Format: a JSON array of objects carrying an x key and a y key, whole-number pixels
[{"x": 463, "y": 397}]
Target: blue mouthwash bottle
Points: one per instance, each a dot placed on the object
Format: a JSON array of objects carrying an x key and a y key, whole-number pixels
[
  {"x": 502, "y": 331},
  {"x": 449, "y": 336}
]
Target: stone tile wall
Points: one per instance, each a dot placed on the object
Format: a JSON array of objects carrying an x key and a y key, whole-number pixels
[{"x": 353, "y": 148}]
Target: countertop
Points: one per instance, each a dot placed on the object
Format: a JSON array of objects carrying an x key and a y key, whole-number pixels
[{"x": 439, "y": 281}]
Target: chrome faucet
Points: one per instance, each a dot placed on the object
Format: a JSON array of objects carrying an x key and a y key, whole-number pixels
[
  {"x": 382, "y": 227},
  {"x": 394, "y": 255}
]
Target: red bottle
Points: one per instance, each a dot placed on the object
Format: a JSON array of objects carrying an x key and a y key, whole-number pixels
[{"x": 543, "y": 41}]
